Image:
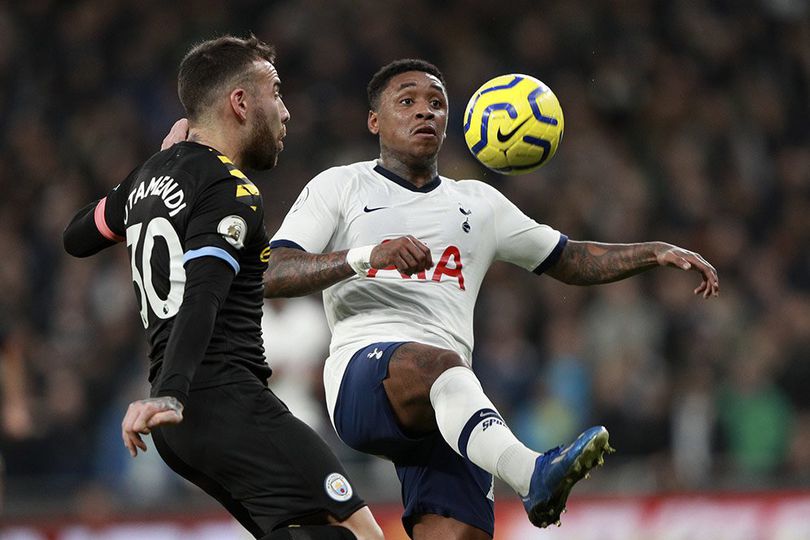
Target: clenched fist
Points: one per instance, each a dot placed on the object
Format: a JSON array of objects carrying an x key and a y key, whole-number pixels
[{"x": 406, "y": 253}]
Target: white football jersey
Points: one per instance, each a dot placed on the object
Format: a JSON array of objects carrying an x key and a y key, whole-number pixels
[{"x": 466, "y": 224}]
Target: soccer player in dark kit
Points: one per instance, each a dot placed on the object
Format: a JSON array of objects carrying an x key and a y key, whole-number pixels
[{"x": 193, "y": 225}]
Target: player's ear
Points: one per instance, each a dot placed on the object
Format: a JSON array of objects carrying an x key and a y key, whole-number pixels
[
  {"x": 373, "y": 125},
  {"x": 238, "y": 102}
]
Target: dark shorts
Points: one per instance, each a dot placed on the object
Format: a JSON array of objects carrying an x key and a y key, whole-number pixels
[
  {"x": 242, "y": 446},
  {"x": 435, "y": 479}
]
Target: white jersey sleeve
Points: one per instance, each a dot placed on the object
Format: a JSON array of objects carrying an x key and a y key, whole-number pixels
[
  {"x": 522, "y": 241},
  {"x": 314, "y": 216}
]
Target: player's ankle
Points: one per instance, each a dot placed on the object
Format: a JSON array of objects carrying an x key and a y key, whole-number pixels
[{"x": 515, "y": 467}]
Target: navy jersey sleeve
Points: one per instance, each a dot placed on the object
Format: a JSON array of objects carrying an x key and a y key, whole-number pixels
[{"x": 226, "y": 216}]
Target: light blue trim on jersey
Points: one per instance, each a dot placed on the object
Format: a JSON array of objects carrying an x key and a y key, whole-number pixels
[{"x": 211, "y": 251}]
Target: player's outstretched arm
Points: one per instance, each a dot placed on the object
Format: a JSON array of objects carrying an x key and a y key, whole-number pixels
[
  {"x": 82, "y": 237},
  {"x": 591, "y": 263},
  {"x": 293, "y": 272}
]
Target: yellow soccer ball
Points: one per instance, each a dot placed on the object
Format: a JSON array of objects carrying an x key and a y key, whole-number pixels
[{"x": 513, "y": 124}]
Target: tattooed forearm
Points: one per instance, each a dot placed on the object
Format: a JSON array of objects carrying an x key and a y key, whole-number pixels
[
  {"x": 590, "y": 263},
  {"x": 292, "y": 272}
]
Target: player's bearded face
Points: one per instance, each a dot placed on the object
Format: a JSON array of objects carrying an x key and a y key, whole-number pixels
[{"x": 262, "y": 149}]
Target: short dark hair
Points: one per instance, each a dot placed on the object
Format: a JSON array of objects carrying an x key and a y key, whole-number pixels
[
  {"x": 380, "y": 79},
  {"x": 210, "y": 65}
]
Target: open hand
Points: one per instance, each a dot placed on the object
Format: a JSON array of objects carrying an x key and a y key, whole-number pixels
[
  {"x": 688, "y": 260},
  {"x": 143, "y": 415}
]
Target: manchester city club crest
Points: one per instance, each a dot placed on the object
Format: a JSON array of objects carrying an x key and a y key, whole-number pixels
[{"x": 337, "y": 487}]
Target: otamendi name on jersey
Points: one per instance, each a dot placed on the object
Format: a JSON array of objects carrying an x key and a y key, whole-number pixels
[{"x": 164, "y": 187}]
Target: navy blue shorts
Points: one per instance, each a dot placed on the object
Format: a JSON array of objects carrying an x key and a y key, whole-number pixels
[{"x": 435, "y": 479}]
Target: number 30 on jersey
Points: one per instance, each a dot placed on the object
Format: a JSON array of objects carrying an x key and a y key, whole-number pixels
[{"x": 162, "y": 308}]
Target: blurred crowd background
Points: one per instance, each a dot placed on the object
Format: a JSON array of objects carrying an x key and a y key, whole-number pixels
[{"x": 686, "y": 121}]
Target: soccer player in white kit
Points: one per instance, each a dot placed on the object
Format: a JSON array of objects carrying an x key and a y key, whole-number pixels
[{"x": 400, "y": 253}]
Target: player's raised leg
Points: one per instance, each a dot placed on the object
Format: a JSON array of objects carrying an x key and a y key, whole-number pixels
[{"x": 432, "y": 388}]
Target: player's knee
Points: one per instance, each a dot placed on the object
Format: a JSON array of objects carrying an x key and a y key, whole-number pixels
[
  {"x": 446, "y": 360},
  {"x": 415, "y": 367}
]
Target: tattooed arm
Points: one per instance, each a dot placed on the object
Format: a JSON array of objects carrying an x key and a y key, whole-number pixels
[
  {"x": 293, "y": 272},
  {"x": 591, "y": 263}
]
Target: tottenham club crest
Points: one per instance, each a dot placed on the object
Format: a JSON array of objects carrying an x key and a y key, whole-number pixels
[
  {"x": 234, "y": 230},
  {"x": 338, "y": 488},
  {"x": 466, "y": 225}
]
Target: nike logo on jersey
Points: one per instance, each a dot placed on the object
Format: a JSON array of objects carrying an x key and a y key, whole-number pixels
[
  {"x": 503, "y": 137},
  {"x": 367, "y": 209}
]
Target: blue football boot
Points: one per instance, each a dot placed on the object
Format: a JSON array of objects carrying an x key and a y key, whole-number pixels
[{"x": 557, "y": 470}]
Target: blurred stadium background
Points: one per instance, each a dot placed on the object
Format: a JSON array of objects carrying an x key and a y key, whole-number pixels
[{"x": 687, "y": 121}]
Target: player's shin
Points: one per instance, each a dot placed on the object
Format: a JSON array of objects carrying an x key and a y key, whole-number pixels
[{"x": 472, "y": 426}]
